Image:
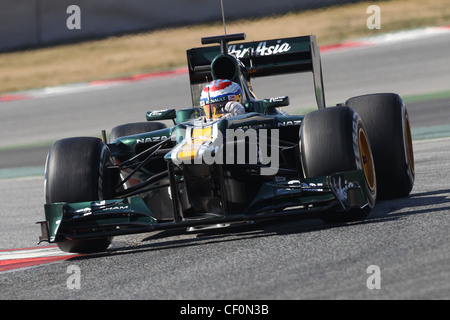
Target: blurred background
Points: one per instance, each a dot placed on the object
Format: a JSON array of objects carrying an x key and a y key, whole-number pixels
[
  {"x": 121, "y": 38},
  {"x": 34, "y": 23}
]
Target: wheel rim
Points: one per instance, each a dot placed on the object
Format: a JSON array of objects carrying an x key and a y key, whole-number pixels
[
  {"x": 408, "y": 143},
  {"x": 367, "y": 159}
]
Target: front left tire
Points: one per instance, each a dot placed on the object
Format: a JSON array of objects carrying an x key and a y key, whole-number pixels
[
  {"x": 335, "y": 140},
  {"x": 75, "y": 172}
]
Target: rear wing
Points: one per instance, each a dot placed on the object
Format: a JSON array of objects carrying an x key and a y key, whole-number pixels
[{"x": 264, "y": 58}]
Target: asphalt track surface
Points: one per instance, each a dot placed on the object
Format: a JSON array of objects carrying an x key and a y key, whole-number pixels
[{"x": 408, "y": 239}]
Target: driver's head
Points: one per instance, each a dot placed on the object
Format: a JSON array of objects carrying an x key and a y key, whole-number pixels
[{"x": 215, "y": 96}]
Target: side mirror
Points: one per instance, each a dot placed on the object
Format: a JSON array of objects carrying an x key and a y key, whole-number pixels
[
  {"x": 276, "y": 102},
  {"x": 167, "y": 114}
]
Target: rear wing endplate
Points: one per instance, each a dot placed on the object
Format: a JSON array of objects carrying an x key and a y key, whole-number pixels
[{"x": 265, "y": 58}]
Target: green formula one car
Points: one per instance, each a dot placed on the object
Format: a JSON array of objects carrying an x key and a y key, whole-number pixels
[{"x": 332, "y": 163}]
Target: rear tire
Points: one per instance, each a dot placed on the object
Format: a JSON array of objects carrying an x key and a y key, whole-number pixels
[
  {"x": 129, "y": 129},
  {"x": 75, "y": 173},
  {"x": 334, "y": 140},
  {"x": 387, "y": 124}
]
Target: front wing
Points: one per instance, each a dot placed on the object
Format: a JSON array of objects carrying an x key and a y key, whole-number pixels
[{"x": 305, "y": 198}]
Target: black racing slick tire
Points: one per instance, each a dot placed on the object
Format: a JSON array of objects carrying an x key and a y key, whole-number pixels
[
  {"x": 334, "y": 140},
  {"x": 129, "y": 129},
  {"x": 387, "y": 124},
  {"x": 74, "y": 172}
]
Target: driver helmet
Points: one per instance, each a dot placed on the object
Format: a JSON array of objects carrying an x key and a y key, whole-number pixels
[{"x": 217, "y": 94}]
